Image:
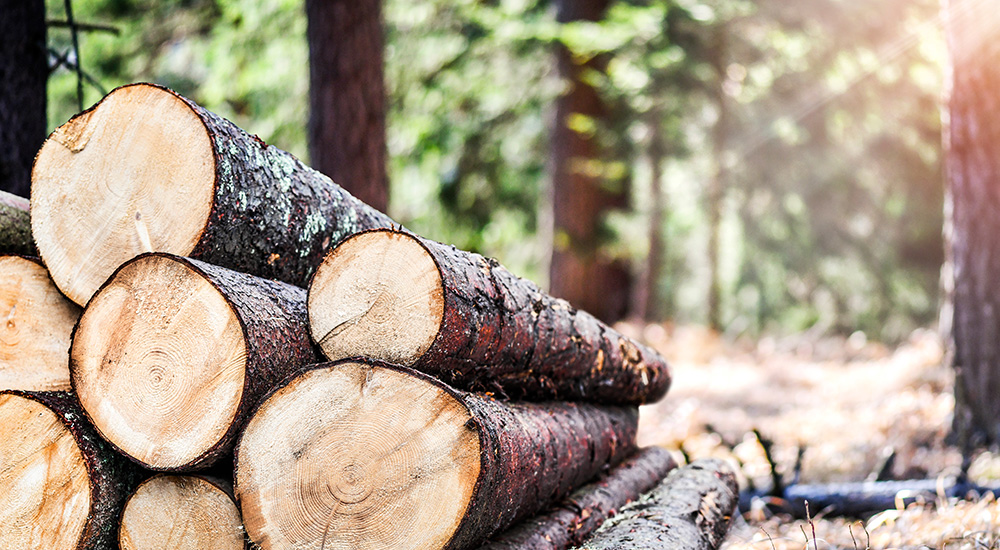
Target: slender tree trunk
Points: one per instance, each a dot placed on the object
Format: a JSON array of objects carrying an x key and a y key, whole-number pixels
[
  {"x": 717, "y": 183},
  {"x": 347, "y": 96},
  {"x": 23, "y": 73},
  {"x": 647, "y": 305},
  {"x": 973, "y": 171},
  {"x": 581, "y": 270}
]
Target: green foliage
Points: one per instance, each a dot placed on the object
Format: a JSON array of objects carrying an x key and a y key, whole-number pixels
[{"x": 833, "y": 201}]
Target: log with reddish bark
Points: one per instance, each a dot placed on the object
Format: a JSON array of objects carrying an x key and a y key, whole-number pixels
[
  {"x": 690, "y": 509},
  {"x": 15, "y": 226},
  {"x": 171, "y": 355},
  {"x": 63, "y": 487},
  {"x": 149, "y": 170},
  {"x": 400, "y": 298},
  {"x": 576, "y": 517},
  {"x": 37, "y": 321},
  {"x": 365, "y": 455},
  {"x": 181, "y": 513}
]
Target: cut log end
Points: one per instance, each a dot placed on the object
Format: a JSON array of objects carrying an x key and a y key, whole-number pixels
[
  {"x": 140, "y": 172},
  {"x": 181, "y": 513},
  {"x": 354, "y": 456},
  {"x": 45, "y": 479},
  {"x": 35, "y": 326},
  {"x": 158, "y": 362},
  {"x": 359, "y": 305}
]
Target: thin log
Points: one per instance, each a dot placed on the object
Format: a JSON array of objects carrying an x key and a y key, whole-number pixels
[
  {"x": 860, "y": 499},
  {"x": 36, "y": 322},
  {"x": 15, "y": 226},
  {"x": 181, "y": 513},
  {"x": 690, "y": 509},
  {"x": 149, "y": 170},
  {"x": 171, "y": 355},
  {"x": 576, "y": 517},
  {"x": 63, "y": 486},
  {"x": 404, "y": 299},
  {"x": 365, "y": 455}
]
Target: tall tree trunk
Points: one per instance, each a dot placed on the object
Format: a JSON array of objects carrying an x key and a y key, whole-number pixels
[
  {"x": 581, "y": 272},
  {"x": 347, "y": 96},
  {"x": 647, "y": 299},
  {"x": 973, "y": 171},
  {"x": 23, "y": 72},
  {"x": 717, "y": 184}
]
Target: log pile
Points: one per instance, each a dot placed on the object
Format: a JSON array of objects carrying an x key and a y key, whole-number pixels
[{"x": 458, "y": 401}]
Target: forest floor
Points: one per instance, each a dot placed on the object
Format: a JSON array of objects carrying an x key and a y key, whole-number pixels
[{"x": 848, "y": 404}]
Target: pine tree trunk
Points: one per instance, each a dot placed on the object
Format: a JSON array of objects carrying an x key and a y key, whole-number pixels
[
  {"x": 400, "y": 298},
  {"x": 171, "y": 356},
  {"x": 64, "y": 486},
  {"x": 347, "y": 96},
  {"x": 581, "y": 270},
  {"x": 148, "y": 170},
  {"x": 588, "y": 507},
  {"x": 690, "y": 510},
  {"x": 973, "y": 169},
  {"x": 15, "y": 226},
  {"x": 181, "y": 513},
  {"x": 37, "y": 322},
  {"x": 366, "y": 455},
  {"x": 24, "y": 71}
]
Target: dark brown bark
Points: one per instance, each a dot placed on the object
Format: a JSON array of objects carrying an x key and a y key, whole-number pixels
[
  {"x": 576, "y": 517},
  {"x": 15, "y": 226},
  {"x": 527, "y": 456},
  {"x": 582, "y": 271},
  {"x": 112, "y": 476},
  {"x": 501, "y": 333},
  {"x": 24, "y": 71},
  {"x": 973, "y": 171},
  {"x": 691, "y": 509},
  {"x": 274, "y": 322},
  {"x": 347, "y": 96},
  {"x": 864, "y": 498}
]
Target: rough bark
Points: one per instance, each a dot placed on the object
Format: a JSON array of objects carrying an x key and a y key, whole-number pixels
[
  {"x": 181, "y": 513},
  {"x": 254, "y": 208},
  {"x": 691, "y": 509},
  {"x": 347, "y": 96},
  {"x": 367, "y": 455},
  {"x": 473, "y": 323},
  {"x": 37, "y": 324},
  {"x": 111, "y": 477},
  {"x": 15, "y": 226},
  {"x": 973, "y": 172},
  {"x": 24, "y": 71},
  {"x": 576, "y": 517},
  {"x": 581, "y": 270},
  {"x": 170, "y": 343}
]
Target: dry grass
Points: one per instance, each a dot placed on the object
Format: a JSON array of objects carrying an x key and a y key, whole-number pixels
[{"x": 848, "y": 404}]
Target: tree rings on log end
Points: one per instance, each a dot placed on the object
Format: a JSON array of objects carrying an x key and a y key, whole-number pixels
[
  {"x": 135, "y": 173},
  {"x": 44, "y": 478},
  {"x": 36, "y": 322},
  {"x": 351, "y": 455},
  {"x": 158, "y": 362},
  {"x": 378, "y": 294},
  {"x": 180, "y": 513}
]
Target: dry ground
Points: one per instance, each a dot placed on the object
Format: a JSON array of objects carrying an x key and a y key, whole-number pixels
[{"x": 848, "y": 403}]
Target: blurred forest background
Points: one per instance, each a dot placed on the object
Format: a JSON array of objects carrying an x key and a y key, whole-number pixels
[{"x": 778, "y": 164}]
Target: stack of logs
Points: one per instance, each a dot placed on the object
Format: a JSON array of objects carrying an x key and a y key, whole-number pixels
[{"x": 198, "y": 279}]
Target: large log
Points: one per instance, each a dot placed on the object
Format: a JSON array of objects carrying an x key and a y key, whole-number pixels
[
  {"x": 400, "y": 298},
  {"x": 15, "y": 226},
  {"x": 37, "y": 321},
  {"x": 149, "y": 170},
  {"x": 63, "y": 487},
  {"x": 181, "y": 513},
  {"x": 690, "y": 510},
  {"x": 576, "y": 517},
  {"x": 366, "y": 455},
  {"x": 172, "y": 354}
]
